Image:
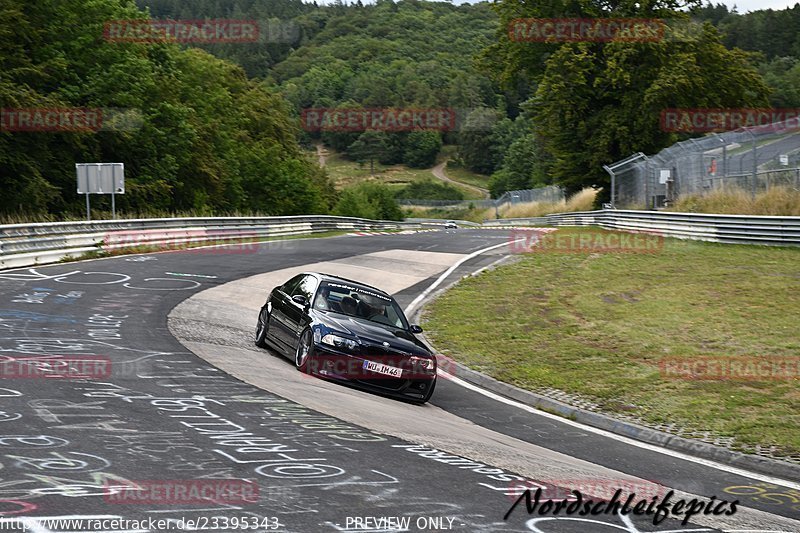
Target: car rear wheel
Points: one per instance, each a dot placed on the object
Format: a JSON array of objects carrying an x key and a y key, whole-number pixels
[
  {"x": 304, "y": 351},
  {"x": 262, "y": 327}
]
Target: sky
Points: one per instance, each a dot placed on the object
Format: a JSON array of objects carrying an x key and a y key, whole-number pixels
[
  {"x": 742, "y": 6},
  {"x": 753, "y": 5}
]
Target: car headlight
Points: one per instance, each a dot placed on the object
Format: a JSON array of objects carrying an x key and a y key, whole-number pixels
[
  {"x": 422, "y": 362},
  {"x": 339, "y": 342}
]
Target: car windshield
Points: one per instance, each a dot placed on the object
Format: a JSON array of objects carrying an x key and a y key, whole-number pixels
[{"x": 361, "y": 302}]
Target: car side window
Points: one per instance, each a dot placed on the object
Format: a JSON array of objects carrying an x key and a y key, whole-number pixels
[
  {"x": 306, "y": 287},
  {"x": 291, "y": 285}
]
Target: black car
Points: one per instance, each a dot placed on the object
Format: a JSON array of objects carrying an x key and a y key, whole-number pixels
[{"x": 341, "y": 329}]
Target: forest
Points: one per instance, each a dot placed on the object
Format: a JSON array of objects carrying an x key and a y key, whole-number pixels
[{"x": 215, "y": 128}]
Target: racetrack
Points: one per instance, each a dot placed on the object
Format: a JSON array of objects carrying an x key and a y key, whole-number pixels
[{"x": 322, "y": 454}]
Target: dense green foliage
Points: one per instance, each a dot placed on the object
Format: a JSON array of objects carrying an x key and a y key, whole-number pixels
[
  {"x": 208, "y": 139},
  {"x": 592, "y": 103},
  {"x": 407, "y": 54},
  {"x": 368, "y": 200},
  {"x": 774, "y": 35},
  {"x": 217, "y": 125}
]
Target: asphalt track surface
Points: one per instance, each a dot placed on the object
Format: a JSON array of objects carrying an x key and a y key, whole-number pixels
[
  {"x": 324, "y": 457},
  {"x": 742, "y": 162}
]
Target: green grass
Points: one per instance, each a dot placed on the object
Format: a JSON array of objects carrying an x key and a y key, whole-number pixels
[
  {"x": 345, "y": 173},
  {"x": 467, "y": 176},
  {"x": 100, "y": 214},
  {"x": 599, "y": 324},
  {"x": 477, "y": 214}
]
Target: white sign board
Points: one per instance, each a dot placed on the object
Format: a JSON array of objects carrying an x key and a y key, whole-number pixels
[
  {"x": 784, "y": 159},
  {"x": 100, "y": 178},
  {"x": 664, "y": 175}
]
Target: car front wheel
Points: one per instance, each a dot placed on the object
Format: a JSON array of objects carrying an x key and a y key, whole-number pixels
[
  {"x": 261, "y": 328},
  {"x": 304, "y": 351}
]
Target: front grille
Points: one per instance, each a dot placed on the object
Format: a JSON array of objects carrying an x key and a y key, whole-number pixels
[{"x": 378, "y": 350}]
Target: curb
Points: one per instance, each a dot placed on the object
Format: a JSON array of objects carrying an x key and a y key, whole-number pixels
[{"x": 703, "y": 450}]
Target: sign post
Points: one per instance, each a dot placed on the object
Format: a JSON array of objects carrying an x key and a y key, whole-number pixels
[{"x": 101, "y": 178}]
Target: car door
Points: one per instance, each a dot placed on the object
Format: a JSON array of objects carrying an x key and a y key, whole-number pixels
[
  {"x": 297, "y": 314},
  {"x": 279, "y": 328}
]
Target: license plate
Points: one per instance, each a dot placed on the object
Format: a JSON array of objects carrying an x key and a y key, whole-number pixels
[{"x": 380, "y": 368}]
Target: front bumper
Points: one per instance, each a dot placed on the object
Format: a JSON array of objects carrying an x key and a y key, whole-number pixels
[{"x": 414, "y": 383}]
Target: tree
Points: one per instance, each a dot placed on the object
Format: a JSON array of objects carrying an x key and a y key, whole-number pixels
[
  {"x": 205, "y": 138},
  {"x": 484, "y": 138},
  {"x": 369, "y": 146},
  {"x": 422, "y": 147},
  {"x": 597, "y": 102},
  {"x": 368, "y": 200}
]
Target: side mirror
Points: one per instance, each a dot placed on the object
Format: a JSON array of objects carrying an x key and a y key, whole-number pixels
[
  {"x": 300, "y": 299},
  {"x": 415, "y": 329}
]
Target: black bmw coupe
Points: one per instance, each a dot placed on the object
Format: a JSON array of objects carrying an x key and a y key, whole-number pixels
[{"x": 340, "y": 329}]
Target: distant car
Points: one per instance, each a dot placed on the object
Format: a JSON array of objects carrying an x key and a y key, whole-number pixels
[
  {"x": 450, "y": 224},
  {"x": 341, "y": 329}
]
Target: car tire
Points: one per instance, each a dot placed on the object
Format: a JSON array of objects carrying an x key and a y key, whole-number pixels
[
  {"x": 262, "y": 327},
  {"x": 304, "y": 352}
]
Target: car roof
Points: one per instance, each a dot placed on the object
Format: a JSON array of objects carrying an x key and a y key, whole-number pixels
[{"x": 330, "y": 277}]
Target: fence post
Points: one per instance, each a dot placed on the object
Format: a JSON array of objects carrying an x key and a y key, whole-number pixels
[
  {"x": 613, "y": 184},
  {"x": 755, "y": 166}
]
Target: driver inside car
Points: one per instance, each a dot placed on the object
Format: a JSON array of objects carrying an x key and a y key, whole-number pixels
[
  {"x": 367, "y": 308},
  {"x": 325, "y": 303},
  {"x": 349, "y": 306}
]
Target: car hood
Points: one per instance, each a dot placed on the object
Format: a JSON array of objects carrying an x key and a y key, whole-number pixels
[{"x": 372, "y": 333}]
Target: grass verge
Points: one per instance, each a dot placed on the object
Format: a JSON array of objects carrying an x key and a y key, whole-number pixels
[
  {"x": 581, "y": 201},
  {"x": 599, "y": 325},
  {"x": 345, "y": 173},
  {"x": 463, "y": 175},
  {"x": 777, "y": 201}
]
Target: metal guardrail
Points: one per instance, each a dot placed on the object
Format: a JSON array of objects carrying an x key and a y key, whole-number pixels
[
  {"x": 441, "y": 221},
  {"x": 536, "y": 221},
  {"x": 741, "y": 229},
  {"x": 33, "y": 244}
]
